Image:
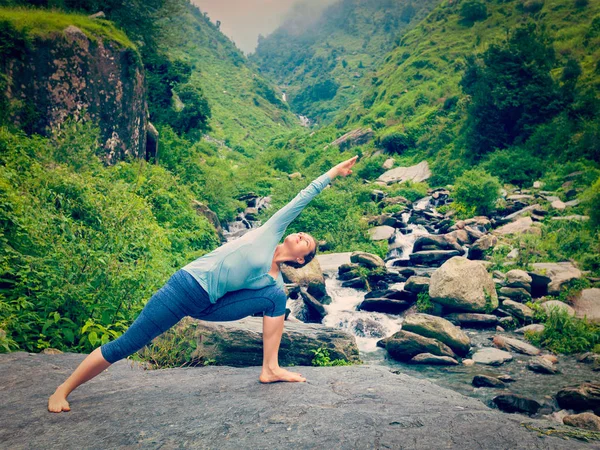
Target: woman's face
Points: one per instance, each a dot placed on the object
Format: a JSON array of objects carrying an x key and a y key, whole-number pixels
[{"x": 299, "y": 245}]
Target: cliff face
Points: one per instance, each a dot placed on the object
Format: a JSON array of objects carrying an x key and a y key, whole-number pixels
[{"x": 68, "y": 74}]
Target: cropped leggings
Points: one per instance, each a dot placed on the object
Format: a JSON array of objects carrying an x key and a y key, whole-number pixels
[{"x": 183, "y": 296}]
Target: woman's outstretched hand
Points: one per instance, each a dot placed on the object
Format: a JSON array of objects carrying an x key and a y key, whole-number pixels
[{"x": 342, "y": 169}]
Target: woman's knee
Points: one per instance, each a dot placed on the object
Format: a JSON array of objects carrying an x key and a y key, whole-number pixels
[{"x": 279, "y": 300}]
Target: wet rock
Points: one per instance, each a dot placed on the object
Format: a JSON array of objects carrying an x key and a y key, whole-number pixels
[
  {"x": 377, "y": 195},
  {"x": 587, "y": 421},
  {"x": 365, "y": 327},
  {"x": 533, "y": 328},
  {"x": 473, "y": 320},
  {"x": 517, "y": 294},
  {"x": 506, "y": 378},
  {"x": 589, "y": 358},
  {"x": 541, "y": 365},
  {"x": 514, "y": 403},
  {"x": 559, "y": 274},
  {"x": 367, "y": 260},
  {"x": 428, "y": 358},
  {"x": 515, "y": 345},
  {"x": 580, "y": 398},
  {"x": 432, "y": 257},
  {"x": 316, "y": 310},
  {"x": 404, "y": 345},
  {"x": 417, "y": 284},
  {"x": 518, "y": 310},
  {"x": 355, "y": 283},
  {"x": 310, "y": 273},
  {"x": 587, "y": 304},
  {"x": 550, "y": 358},
  {"x": 491, "y": 356},
  {"x": 437, "y": 242},
  {"x": 440, "y": 329},
  {"x": 463, "y": 285},
  {"x": 482, "y": 244},
  {"x": 557, "y": 305},
  {"x": 468, "y": 362},
  {"x": 384, "y": 305},
  {"x": 392, "y": 293},
  {"x": 487, "y": 381}
]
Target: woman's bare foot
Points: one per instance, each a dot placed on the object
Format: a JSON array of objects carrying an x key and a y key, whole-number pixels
[
  {"x": 58, "y": 403},
  {"x": 279, "y": 374}
]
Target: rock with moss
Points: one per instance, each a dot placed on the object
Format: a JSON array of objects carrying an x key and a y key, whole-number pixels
[
  {"x": 522, "y": 312},
  {"x": 440, "y": 329},
  {"x": 367, "y": 260},
  {"x": 404, "y": 345},
  {"x": 463, "y": 285}
]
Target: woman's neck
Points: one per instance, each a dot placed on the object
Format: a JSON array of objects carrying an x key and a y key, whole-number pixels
[{"x": 280, "y": 255}]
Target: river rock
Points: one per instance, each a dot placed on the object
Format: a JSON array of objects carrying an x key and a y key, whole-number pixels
[
  {"x": 587, "y": 421},
  {"x": 403, "y": 345},
  {"x": 580, "y": 398},
  {"x": 367, "y": 260},
  {"x": 515, "y": 345},
  {"x": 518, "y": 310},
  {"x": 315, "y": 309},
  {"x": 384, "y": 305},
  {"x": 533, "y": 328},
  {"x": 557, "y": 305},
  {"x": 332, "y": 261},
  {"x": 417, "y": 284},
  {"x": 432, "y": 257},
  {"x": 541, "y": 365},
  {"x": 473, "y": 320},
  {"x": 366, "y": 327},
  {"x": 482, "y": 244},
  {"x": 428, "y": 358},
  {"x": 519, "y": 226},
  {"x": 587, "y": 304},
  {"x": 514, "y": 403},
  {"x": 491, "y": 356},
  {"x": 464, "y": 285},
  {"x": 517, "y": 294},
  {"x": 310, "y": 273},
  {"x": 559, "y": 273},
  {"x": 240, "y": 343},
  {"x": 417, "y": 173},
  {"x": 355, "y": 283},
  {"x": 487, "y": 381},
  {"x": 517, "y": 278},
  {"x": 437, "y": 242},
  {"x": 440, "y": 329},
  {"x": 381, "y": 233}
]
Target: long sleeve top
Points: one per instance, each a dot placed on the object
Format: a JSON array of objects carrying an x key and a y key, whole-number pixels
[{"x": 245, "y": 262}]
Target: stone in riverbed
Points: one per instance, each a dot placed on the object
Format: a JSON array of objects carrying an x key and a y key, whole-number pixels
[
  {"x": 533, "y": 328},
  {"x": 428, "y": 358},
  {"x": 587, "y": 421},
  {"x": 473, "y": 320},
  {"x": 580, "y": 398},
  {"x": 518, "y": 310},
  {"x": 440, "y": 329},
  {"x": 381, "y": 233},
  {"x": 432, "y": 257},
  {"x": 384, "y": 305},
  {"x": 515, "y": 345},
  {"x": 367, "y": 260},
  {"x": 542, "y": 365},
  {"x": 517, "y": 278},
  {"x": 587, "y": 304},
  {"x": 417, "y": 284},
  {"x": 516, "y": 294},
  {"x": 514, "y": 403},
  {"x": 558, "y": 305},
  {"x": 491, "y": 356},
  {"x": 487, "y": 381},
  {"x": 464, "y": 285},
  {"x": 403, "y": 345}
]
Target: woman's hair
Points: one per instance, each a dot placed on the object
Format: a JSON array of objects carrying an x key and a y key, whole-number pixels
[{"x": 307, "y": 258}]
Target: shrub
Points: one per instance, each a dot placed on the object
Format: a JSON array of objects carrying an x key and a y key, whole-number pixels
[
  {"x": 514, "y": 165},
  {"x": 472, "y": 11},
  {"x": 424, "y": 304},
  {"x": 397, "y": 142},
  {"x": 371, "y": 168},
  {"x": 477, "y": 188},
  {"x": 592, "y": 203}
]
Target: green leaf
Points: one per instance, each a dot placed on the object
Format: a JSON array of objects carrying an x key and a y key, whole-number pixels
[
  {"x": 69, "y": 335},
  {"x": 93, "y": 337},
  {"x": 56, "y": 317}
]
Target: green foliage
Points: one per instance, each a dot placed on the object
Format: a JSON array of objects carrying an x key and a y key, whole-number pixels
[
  {"x": 424, "y": 304},
  {"x": 370, "y": 168},
  {"x": 477, "y": 189},
  {"x": 516, "y": 166},
  {"x": 472, "y": 11},
  {"x": 195, "y": 112},
  {"x": 591, "y": 199},
  {"x": 322, "y": 358},
  {"x": 397, "y": 142},
  {"x": 411, "y": 190},
  {"x": 566, "y": 334}
]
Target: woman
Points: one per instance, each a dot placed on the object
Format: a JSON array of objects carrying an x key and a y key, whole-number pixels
[{"x": 236, "y": 280}]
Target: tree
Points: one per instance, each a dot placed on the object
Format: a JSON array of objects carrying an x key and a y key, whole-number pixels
[{"x": 472, "y": 11}]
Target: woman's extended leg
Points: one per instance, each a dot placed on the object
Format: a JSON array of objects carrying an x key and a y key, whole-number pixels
[{"x": 164, "y": 309}]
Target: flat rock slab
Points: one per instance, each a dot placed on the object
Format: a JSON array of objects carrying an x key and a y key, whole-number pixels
[{"x": 366, "y": 407}]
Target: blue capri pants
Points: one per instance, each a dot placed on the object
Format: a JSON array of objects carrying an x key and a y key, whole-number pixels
[{"x": 183, "y": 296}]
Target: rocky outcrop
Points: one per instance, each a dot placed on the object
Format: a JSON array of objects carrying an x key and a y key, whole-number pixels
[
  {"x": 419, "y": 172},
  {"x": 69, "y": 73},
  {"x": 463, "y": 285},
  {"x": 587, "y": 304}
]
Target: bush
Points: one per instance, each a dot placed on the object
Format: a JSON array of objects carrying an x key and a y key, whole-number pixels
[
  {"x": 477, "y": 189},
  {"x": 371, "y": 168},
  {"x": 514, "y": 165},
  {"x": 472, "y": 11},
  {"x": 592, "y": 204},
  {"x": 397, "y": 142}
]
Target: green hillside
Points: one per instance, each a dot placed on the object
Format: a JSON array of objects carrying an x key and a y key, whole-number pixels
[{"x": 321, "y": 63}]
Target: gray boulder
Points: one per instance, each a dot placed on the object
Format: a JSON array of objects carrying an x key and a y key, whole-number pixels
[
  {"x": 403, "y": 345},
  {"x": 491, "y": 356},
  {"x": 428, "y": 358},
  {"x": 440, "y": 329}
]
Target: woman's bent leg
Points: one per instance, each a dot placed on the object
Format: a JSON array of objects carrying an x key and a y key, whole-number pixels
[{"x": 164, "y": 309}]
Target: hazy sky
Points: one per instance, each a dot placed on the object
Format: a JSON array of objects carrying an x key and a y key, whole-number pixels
[{"x": 243, "y": 20}]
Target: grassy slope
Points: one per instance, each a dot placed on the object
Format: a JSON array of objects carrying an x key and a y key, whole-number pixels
[
  {"x": 38, "y": 23},
  {"x": 354, "y": 31},
  {"x": 239, "y": 113},
  {"x": 429, "y": 63}
]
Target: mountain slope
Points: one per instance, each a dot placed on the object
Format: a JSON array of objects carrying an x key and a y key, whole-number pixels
[{"x": 321, "y": 57}]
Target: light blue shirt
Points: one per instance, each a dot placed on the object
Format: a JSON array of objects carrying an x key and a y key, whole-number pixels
[{"x": 245, "y": 262}]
